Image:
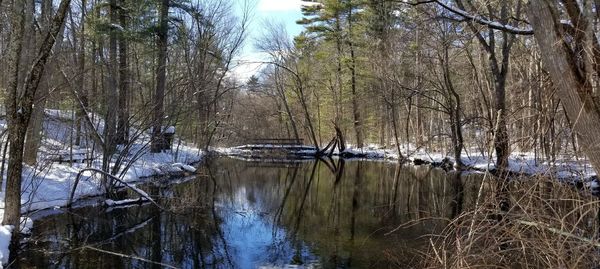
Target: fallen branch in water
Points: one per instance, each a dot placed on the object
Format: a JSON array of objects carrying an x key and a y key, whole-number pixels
[
  {"x": 133, "y": 188},
  {"x": 130, "y": 257}
]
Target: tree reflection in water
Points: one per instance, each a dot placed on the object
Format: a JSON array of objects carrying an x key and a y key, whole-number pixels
[{"x": 324, "y": 214}]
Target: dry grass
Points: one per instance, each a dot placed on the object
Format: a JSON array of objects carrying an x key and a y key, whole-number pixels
[{"x": 547, "y": 225}]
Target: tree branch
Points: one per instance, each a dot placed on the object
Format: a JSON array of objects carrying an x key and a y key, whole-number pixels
[{"x": 476, "y": 18}]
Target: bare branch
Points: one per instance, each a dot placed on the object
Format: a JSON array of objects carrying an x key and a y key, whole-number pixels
[{"x": 476, "y": 18}]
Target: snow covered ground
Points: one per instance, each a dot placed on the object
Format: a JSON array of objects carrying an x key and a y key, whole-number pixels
[
  {"x": 566, "y": 167},
  {"x": 48, "y": 185}
]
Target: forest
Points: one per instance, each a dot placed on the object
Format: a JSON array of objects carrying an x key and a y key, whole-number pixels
[{"x": 104, "y": 95}]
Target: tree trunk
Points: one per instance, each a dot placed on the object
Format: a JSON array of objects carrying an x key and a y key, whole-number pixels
[
  {"x": 34, "y": 135},
  {"x": 111, "y": 94},
  {"x": 573, "y": 89},
  {"x": 12, "y": 210},
  {"x": 159, "y": 94},
  {"x": 83, "y": 93},
  {"x": 281, "y": 92},
  {"x": 29, "y": 44},
  {"x": 499, "y": 69},
  {"x": 339, "y": 91},
  {"x": 19, "y": 106},
  {"x": 454, "y": 104},
  {"x": 358, "y": 128},
  {"x": 123, "y": 117}
]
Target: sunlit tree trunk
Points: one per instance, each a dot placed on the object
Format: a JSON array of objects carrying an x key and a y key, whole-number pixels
[
  {"x": 358, "y": 124},
  {"x": 19, "y": 103},
  {"x": 12, "y": 211},
  {"x": 34, "y": 134},
  {"x": 573, "y": 87}
]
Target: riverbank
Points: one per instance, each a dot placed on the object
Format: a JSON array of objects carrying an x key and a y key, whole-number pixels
[
  {"x": 241, "y": 214},
  {"x": 49, "y": 183},
  {"x": 565, "y": 168}
]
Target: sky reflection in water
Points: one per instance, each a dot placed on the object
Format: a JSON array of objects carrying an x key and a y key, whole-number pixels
[{"x": 248, "y": 215}]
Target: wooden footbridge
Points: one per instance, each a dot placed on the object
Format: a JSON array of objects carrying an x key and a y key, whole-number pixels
[{"x": 275, "y": 147}]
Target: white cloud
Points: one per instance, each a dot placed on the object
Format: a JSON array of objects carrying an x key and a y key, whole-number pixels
[{"x": 280, "y": 5}]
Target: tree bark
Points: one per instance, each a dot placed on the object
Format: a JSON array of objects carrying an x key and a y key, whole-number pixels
[
  {"x": 35, "y": 126},
  {"x": 123, "y": 117},
  {"x": 83, "y": 93},
  {"x": 19, "y": 109},
  {"x": 111, "y": 94},
  {"x": 159, "y": 94},
  {"x": 499, "y": 69},
  {"x": 34, "y": 135},
  {"x": 455, "y": 107},
  {"x": 358, "y": 128},
  {"x": 573, "y": 89},
  {"x": 12, "y": 211}
]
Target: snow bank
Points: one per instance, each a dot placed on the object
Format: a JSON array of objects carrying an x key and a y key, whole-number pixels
[
  {"x": 49, "y": 184},
  {"x": 519, "y": 162},
  {"x": 5, "y": 234},
  {"x": 187, "y": 168}
]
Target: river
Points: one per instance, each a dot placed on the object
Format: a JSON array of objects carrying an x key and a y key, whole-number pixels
[{"x": 240, "y": 214}]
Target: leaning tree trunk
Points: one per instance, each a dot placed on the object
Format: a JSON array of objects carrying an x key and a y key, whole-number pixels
[
  {"x": 573, "y": 89},
  {"x": 29, "y": 41},
  {"x": 34, "y": 134}
]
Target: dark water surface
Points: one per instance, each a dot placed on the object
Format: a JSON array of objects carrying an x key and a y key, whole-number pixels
[{"x": 239, "y": 214}]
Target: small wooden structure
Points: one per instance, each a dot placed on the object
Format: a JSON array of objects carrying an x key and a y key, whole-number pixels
[
  {"x": 277, "y": 141},
  {"x": 166, "y": 138},
  {"x": 275, "y": 147},
  {"x": 74, "y": 156}
]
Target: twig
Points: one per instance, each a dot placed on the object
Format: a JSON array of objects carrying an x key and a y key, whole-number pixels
[{"x": 547, "y": 227}]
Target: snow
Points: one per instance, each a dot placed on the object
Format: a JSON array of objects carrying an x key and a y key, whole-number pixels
[
  {"x": 113, "y": 203},
  {"x": 49, "y": 184},
  {"x": 5, "y": 234},
  {"x": 565, "y": 167},
  {"x": 187, "y": 168},
  {"x": 485, "y": 21},
  {"x": 117, "y": 26},
  {"x": 169, "y": 130},
  {"x": 26, "y": 225}
]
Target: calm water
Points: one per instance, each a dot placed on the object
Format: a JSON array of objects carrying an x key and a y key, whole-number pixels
[{"x": 240, "y": 214}]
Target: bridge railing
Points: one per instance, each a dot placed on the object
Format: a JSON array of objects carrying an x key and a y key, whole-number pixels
[{"x": 277, "y": 141}]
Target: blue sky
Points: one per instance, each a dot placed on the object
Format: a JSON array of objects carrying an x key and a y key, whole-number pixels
[{"x": 281, "y": 11}]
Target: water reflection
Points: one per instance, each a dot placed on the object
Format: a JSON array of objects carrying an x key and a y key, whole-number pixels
[{"x": 253, "y": 215}]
